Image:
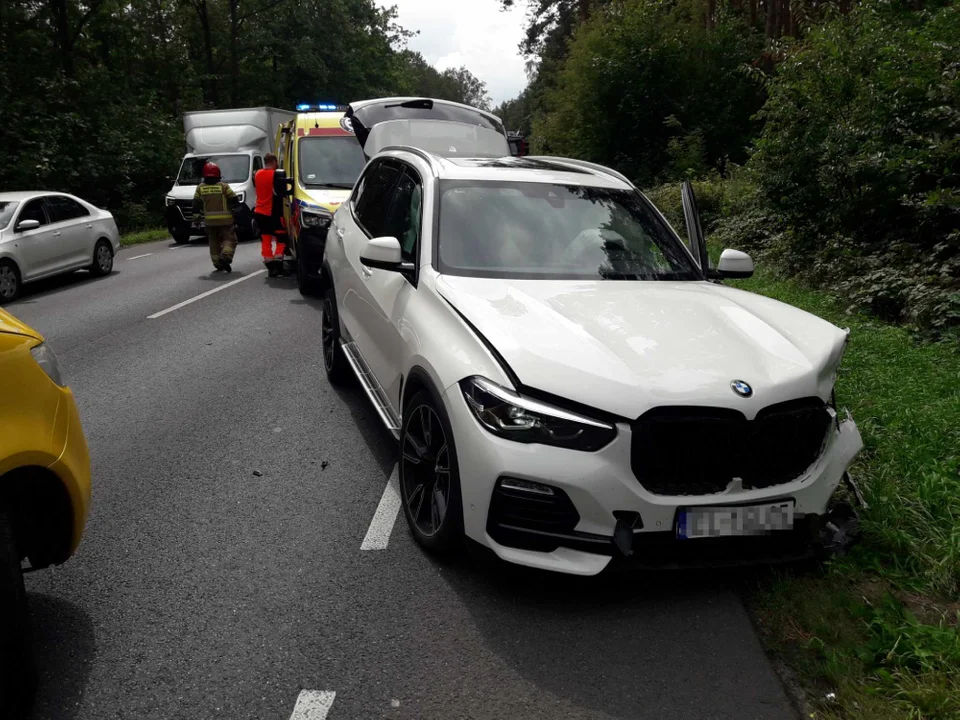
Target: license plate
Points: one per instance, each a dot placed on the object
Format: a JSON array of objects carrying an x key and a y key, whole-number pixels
[{"x": 706, "y": 522}]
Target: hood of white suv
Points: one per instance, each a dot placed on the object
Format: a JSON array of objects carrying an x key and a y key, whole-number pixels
[{"x": 625, "y": 347}]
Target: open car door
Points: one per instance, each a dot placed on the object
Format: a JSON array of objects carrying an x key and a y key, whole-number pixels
[
  {"x": 697, "y": 241},
  {"x": 439, "y": 127}
]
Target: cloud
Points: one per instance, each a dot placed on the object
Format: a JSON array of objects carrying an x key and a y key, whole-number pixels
[{"x": 471, "y": 33}]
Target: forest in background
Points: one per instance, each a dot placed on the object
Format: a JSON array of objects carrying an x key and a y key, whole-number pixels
[
  {"x": 823, "y": 135},
  {"x": 93, "y": 91}
]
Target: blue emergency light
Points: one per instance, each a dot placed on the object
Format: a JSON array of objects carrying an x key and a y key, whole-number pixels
[{"x": 319, "y": 107}]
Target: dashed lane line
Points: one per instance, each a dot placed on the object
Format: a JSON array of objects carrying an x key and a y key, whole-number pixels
[
  {"x": 137, "y": 257},
  {"x": 203, "y": 295},
  {"x": 378, "y": 535},
  {"x": 313, "y": 704}
]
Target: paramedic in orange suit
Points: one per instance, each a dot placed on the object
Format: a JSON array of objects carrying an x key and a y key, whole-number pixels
[{"x": 268, "y": 211}]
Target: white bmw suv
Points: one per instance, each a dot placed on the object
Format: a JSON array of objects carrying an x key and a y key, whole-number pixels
[{"x": 570, "y": 383}]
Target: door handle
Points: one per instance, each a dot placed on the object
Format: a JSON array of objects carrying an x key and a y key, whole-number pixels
[
  {"x": 89, "y": 227},
  {"x": 367, "y": 272},
  {"x": 56, "y": 234},
  {"x": 340, "y": 235}
]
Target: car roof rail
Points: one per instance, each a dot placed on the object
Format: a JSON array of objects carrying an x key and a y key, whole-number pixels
[
  {"x": 431, "y": 160},
  {"x": 596, "y": 168}
]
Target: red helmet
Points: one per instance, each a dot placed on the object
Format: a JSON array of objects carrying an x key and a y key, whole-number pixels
[{"x": 211, "y": 170}]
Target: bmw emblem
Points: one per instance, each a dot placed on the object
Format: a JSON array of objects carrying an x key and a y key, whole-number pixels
[{"x": 741, "y": 388}]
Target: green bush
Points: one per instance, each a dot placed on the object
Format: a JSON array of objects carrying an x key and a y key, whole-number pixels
[{"x": 859, "y": 161}]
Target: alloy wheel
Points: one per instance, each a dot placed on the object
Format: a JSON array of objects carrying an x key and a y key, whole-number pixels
[
  {"x": 426, "y": 470},
  {"x": 8, "y": 282},
  {"x": 327, "y": 336},
  {"x": 104, "y": 258}
]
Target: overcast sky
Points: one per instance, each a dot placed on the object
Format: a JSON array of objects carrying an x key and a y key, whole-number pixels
[{"x": 472, "y": 33}]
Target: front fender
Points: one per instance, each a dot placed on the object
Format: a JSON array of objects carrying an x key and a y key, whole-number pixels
[{"x": 442, "y": 345}]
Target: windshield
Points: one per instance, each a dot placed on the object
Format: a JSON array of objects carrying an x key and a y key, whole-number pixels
[
  {"x": 557, "y": 232},
  {"x": 330, "y": 161},
  {"x": 234, "y": 168},
  {"x": 7, "y": 209}
]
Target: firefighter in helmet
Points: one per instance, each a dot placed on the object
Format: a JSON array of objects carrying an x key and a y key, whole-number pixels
[{"x": 216, "y": 201}]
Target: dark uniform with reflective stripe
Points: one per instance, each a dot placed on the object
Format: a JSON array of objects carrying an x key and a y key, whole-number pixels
[{"x": 216, "y": 201}]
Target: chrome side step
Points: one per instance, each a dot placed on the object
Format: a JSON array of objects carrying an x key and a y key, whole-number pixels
[{"x": 370, "y": 386}]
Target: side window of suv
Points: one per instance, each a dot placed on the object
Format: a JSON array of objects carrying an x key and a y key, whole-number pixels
[
  {"x": 373, "y": 197},
  {"x": 62, "y": 208},
  {"x": 404, "y": 218},
  {"x": 33, "y": 210}
]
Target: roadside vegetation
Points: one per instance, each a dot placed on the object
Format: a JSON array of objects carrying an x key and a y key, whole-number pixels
[
  {"x": 143, "y": 236},
  {"x": 824, "y": 138},
  {"x": 93, "y": 91}
]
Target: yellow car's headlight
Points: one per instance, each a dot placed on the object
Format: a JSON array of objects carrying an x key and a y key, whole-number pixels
[{"x": 48, "y": 362}]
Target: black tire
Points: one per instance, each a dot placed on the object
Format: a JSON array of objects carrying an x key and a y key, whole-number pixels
[
  {"x": 334, "y": 359},
  {"x": 181, "y": 238},
  {"x": 309, "y": 287},
  {"x": 429, "y": 472},
  {"x": 10, "y": 283},
  {"x": 18, "y": 667},
  {"x": 102, "y": 259}
]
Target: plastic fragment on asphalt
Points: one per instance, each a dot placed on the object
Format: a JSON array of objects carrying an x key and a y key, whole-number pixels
[{"x": 313, "y": 704}]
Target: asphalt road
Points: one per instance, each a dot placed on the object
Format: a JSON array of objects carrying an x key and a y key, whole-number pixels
[{"x": 221, "y": 572}]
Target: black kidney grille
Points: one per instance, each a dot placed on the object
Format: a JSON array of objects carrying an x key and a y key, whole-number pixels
[{"x": 698, "y": 451}]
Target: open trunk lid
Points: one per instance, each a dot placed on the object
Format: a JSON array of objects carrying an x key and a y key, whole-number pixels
[{"x": 439, "y": 127}]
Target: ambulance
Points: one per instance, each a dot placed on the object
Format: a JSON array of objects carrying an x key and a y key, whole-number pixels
[{"x": 322, "y": 160}]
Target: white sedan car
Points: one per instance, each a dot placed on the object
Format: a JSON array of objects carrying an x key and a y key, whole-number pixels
[
  {"x": 44, "y": 234},
  {"x": 570, "y": 384}
]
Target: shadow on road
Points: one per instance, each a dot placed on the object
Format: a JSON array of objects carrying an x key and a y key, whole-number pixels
[
  {"x": 637, "y": 645},
  {"x": 65, "y": 645},
  {"x": 57, "y": 284}
]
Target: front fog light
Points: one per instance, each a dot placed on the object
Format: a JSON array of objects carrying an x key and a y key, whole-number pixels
[
  {"x": 48, "y": 362},
  {"x": 509, "y": 415}
]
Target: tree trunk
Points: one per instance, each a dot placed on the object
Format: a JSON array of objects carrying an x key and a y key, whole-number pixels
[
  {"x": 753, "y": 13},
  {"x": 711, "y": 14},
  {"x": 772, "y": 30},
  {"x": 209, "y": 86},
  {"x": 583, "y": 10},
  {"x": 234, "y": 52},
  {"x": 61, "y": 25},
  {"x": 786, "y": 18}
]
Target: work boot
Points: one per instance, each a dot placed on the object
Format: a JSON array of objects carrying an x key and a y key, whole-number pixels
[{"x": 225, "y": 266}]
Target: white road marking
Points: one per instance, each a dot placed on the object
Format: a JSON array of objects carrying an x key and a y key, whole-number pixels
[
  {"x": 378, "y": 536},
  {"x": 137, "y": 257},
  {"x": 313, "y": 704},
  {"x": 206, "y": 294},
  {"x": 176, "y": 247}
]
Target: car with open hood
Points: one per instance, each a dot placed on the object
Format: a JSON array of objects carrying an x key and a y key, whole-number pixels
[{"x": 570, "y": 383}]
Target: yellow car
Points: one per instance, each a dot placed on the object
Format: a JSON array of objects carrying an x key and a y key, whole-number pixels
[{"x": 44, "y": 491}]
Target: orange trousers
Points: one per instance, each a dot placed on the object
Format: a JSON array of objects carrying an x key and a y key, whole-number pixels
[{"x": 266, "y": 246}]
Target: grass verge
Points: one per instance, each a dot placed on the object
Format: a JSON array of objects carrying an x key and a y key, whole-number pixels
[
  {"x": 875, "y": 634},
  {"x": 143, "y": 236}
]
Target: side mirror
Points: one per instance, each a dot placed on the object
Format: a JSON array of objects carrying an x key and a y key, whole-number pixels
[
  {"x": 735, "y": 265},
  {"x": 25, "y": 225},
  {"x": 383, "y": 253}
]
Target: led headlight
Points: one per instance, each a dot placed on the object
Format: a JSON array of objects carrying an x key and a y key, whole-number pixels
[
  {"x": 48, "y": 362},
  {"x": 510, "y": 416},
  {"x": 315, "y": 218},
  {"x": 170, "y": 201}
]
